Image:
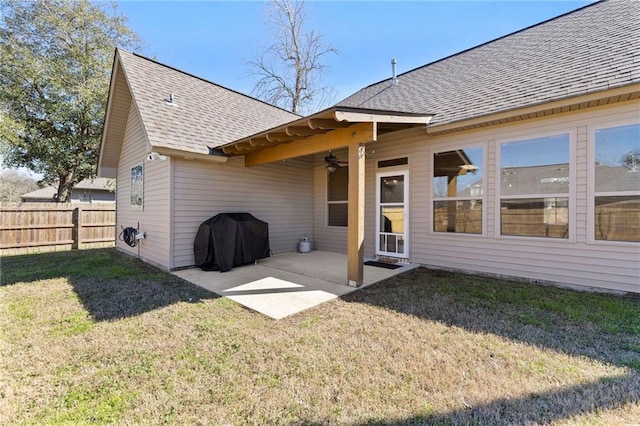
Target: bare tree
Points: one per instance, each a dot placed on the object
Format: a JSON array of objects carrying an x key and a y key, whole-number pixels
[
  {"x": 289, "y": 71},
  {"x": 13, "y": 184}
]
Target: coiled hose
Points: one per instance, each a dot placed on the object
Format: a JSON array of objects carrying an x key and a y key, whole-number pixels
[{"x": 128, "y": 235}]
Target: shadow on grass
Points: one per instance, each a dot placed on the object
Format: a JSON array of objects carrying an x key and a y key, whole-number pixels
[
  {"x": 599, "y": 326},
  {"x": 542, "y": 408},
  {"x": 605, "y": 328},
  {"x": 109, "y": 284}
]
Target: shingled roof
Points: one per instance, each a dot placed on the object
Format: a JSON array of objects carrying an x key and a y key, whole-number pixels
[
  {"x": 592, "y": 49},
  {"x": 203, "y": 114}
]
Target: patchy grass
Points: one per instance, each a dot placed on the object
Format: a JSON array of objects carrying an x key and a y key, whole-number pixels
[{"x": 95, "y": 337}]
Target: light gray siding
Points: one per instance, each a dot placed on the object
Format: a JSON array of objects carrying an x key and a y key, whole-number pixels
[
  {"x": 280, "y": 194},
  {"x": 153, "y": 218},
  {"x": 576, "y": 261}
]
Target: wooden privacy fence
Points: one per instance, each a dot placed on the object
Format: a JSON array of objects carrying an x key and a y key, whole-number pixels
[{"x": 40, "y": 227}]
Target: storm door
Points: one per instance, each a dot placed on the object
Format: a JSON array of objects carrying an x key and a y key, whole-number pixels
[{"x": 392, "y": 214}]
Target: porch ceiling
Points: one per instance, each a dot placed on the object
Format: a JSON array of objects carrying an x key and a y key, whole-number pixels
[{"x": 329, "y": 129}]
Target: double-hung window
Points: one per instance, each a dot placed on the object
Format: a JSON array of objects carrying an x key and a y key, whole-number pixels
[
  {"x": 535, "y": 181},
  {"x": 616, "y": 181},
  {"x": 458, "y": 190},
  {"x": 338, "y": 197}
]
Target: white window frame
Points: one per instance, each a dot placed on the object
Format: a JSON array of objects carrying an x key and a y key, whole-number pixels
[
  {"x": 591, "y": 181},
  {"x": 431, "y": 198},
  {"x": 570, "y": 195}
]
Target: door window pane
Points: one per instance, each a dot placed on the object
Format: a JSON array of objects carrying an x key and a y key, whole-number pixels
[
  {"x": 392, "y": 219},
  {"x": 392, "y": 189}
]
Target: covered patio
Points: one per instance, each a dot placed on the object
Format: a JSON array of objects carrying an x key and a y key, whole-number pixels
[
  {"x": 333, "y": 128},
  {"x": 286, "y": 284}
]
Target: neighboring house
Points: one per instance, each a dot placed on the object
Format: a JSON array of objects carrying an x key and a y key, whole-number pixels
[
  {"x": 96, "y": 190},
  {"x": 558, "y": 101}
]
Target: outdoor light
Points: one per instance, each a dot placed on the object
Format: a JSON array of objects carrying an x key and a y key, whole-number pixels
[{"x": 331, "y": 168}]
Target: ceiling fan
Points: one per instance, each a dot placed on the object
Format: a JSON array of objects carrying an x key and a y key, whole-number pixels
[{"x": 332, "y": 164}]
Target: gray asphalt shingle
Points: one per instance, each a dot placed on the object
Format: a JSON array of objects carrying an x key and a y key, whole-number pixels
[
  {"x": 591, "y": 49},
  {"x": 204, "y": 114}
]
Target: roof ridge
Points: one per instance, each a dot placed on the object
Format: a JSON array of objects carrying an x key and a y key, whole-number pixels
[
  {"x": 205, "y": 80},
  {"x": 481, "y": 45}
]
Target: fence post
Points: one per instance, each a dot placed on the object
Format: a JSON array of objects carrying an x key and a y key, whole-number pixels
[{"x": 77, "y": 228}]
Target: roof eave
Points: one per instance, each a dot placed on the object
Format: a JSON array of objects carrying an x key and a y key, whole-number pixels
[
  {"x": 541, "y": 109},
  {"x": 321, "y": 122},
  {"x": 107, "y": 115}
]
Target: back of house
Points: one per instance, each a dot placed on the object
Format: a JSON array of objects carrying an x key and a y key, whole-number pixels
[{"x": 519, "y": 157}]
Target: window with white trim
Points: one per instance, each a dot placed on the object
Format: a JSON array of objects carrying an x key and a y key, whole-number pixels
[
  {"x": 617, "y": 183},
  {"x": 458, "y": 190},
  {"x": 535, "y": 181},
  {"x": 338, "y": 197}
]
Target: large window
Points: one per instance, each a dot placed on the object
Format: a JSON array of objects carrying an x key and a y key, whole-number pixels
[
  {"x": 535, "y": 180},
  {"x": 617, "y": 183},
  {"x": 137, "y": 186},
  {"x": 458, "y": 190},
  {"x": 338, "y": 197}
]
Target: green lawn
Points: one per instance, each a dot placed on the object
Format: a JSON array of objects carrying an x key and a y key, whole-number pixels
[{"x": 95, "y": 337}]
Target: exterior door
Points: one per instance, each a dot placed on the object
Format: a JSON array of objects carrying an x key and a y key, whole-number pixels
[{"x": 392, "y": 215}]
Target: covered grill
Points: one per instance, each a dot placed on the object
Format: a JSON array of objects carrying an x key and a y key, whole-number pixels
[{"x": 230, "y": 239}]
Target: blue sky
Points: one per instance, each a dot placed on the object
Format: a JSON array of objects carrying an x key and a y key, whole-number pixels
[{"x": 214, "y": 39}]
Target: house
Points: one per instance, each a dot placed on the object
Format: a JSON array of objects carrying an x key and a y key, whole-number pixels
[
  {"x": 504, "y": 159},
  {"x": 96, "y": 190}
]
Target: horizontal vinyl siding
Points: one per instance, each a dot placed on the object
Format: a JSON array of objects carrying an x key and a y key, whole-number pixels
[
  {"x": 279, "y": 194},
  {"x": 602, "y": 264},
  {"x": 153, "y": 219}
]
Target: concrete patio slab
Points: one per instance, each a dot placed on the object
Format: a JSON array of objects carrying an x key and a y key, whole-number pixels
[{"x": 286, "y": 284}]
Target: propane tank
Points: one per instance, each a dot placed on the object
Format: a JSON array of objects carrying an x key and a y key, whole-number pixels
[{"x": 305, "y": 245}]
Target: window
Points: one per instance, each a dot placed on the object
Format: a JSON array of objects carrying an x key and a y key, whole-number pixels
[
  {"x": 458, "y": 190},
  {"x": 535, "y": 177},
  {"x": 617, "y": 183},
  {"x": 137, "y": 186},
  {"x": 338, "y": 197},
  {"x": 86, "y": 197},
  {"x": 394, "y": 162}
]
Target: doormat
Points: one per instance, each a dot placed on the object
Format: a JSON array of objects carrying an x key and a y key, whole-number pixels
[{"x": 382, "y": 264}]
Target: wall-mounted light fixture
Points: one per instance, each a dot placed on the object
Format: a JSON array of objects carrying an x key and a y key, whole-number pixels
[{"x": 152, "y": 156}]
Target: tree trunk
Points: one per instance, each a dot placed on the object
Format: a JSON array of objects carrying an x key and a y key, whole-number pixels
[{"x": 65, "y": 186}]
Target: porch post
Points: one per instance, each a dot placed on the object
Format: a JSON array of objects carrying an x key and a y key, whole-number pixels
[{"x": 355, "y": 238}]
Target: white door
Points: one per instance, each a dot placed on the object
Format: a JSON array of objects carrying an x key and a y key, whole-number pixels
[{"x": 392, "y": 215}]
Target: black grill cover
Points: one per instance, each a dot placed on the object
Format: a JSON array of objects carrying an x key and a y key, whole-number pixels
[{"x": 230, "y": 239}]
